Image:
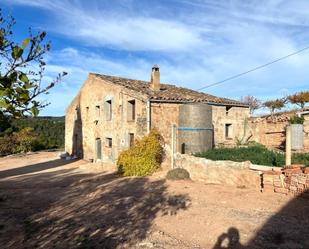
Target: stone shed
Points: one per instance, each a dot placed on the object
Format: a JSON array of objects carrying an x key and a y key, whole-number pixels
[{"x": 109, "y": 113}]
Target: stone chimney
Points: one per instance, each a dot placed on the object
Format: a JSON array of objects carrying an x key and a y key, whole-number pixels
[{"x": 155, "y": 78}]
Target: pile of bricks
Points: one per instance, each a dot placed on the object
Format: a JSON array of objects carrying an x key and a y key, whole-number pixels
[{"x": 293, "y": 179}]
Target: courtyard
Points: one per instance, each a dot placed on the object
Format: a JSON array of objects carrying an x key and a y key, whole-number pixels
[{"x": 47, "y": 202}]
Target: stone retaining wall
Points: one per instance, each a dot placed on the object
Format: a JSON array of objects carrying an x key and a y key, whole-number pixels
[{"x": 219, "y": 172}]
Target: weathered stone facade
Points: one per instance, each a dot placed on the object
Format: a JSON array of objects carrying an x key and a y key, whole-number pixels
[
  {"x": 86, "y": 119},
  {"x": 234, "y": 116},
  {"x": 110, "y": 112}
]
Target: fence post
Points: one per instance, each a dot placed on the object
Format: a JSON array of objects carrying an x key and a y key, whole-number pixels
[
  {"x": 288, "y": 153},
  {"x": 173, "y": 146}
]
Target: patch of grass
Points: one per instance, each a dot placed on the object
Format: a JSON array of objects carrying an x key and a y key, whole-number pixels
[{"x": 256, "y": 154}]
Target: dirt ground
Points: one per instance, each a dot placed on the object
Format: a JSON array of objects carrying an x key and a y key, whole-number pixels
[{"x": 46, "y": 202}]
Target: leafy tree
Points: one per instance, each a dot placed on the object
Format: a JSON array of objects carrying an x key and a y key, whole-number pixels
[
  {"x": 25, "y": 139},
  {"x": 49, "y": 130},
  {"x": 274, "y": 105},
  {"x": 299, "y": 99},
  {"x": 252, "y": 102},
  {"x": 21, "y": 71}
]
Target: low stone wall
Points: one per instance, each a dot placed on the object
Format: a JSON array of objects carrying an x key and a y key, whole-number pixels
[{"x": 219, "y": 172}]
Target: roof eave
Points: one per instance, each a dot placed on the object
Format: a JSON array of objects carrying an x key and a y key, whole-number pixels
[{"x": 192, "y": 101}]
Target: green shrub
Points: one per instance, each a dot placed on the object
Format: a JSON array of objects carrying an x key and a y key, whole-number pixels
[
  {"x": 257, "y": 154},
  {"x": 18, "y": 142},
  {"x": 297, "y": 120},
  {"x": 144, "y": 158},
  {"x": 178, "y": 174},
  {"x": 7, "y": 145},
  {"x": 301, "y": 158}
]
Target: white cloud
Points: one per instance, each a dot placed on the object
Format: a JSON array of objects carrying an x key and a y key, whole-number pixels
[
  {"x": 195, "y": 43},
  {"x": 118, "y": 30}
]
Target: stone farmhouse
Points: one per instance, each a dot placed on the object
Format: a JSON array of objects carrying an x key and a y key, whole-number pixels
[{"x": 110, "y": 112}]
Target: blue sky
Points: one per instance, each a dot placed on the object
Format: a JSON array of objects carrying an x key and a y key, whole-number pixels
[{"x": 195, "y": 43}]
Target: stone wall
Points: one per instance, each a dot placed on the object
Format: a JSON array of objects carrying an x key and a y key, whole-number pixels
[
  {"x": 163, "y": 116},
  {"x": 219, "y": 172},
  {"x": 268, "y": 132},
  {"x": 271, "y": 131},
  {"x": 236, "y": 117},
  {"x": 91, "y": 106}
]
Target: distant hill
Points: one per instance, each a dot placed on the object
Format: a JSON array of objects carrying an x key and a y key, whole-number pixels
[{"x": 50, "y": 130}]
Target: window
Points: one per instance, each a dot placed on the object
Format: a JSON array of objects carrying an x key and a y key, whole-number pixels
[
  {"x": 108, "y": 110},
  {"x": 131, "y": 110},
  {"x": 131, "y": 139},
  {"x": 109, "y": 142},
  {"x": 227, "y": 109},
  {"x": 228, "y": 131},
  {"x": 97, "y": 111}
]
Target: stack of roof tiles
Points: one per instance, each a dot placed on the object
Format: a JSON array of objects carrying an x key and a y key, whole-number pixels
[{"x": 293, "y": 179}]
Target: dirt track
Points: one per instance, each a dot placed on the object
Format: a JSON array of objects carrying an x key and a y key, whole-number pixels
[{"x": 46, "y": 202}]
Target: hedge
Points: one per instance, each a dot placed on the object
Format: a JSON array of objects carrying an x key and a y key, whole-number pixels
[{"x": 257, "y": 154}]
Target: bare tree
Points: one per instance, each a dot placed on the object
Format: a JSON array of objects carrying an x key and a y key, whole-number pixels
[{"x": 253, "y": 102}]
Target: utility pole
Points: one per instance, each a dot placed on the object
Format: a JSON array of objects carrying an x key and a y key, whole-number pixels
[{"x": 288, "y": 153}]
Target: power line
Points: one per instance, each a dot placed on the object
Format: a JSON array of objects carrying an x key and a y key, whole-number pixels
[{"x": 253, "y": 69}]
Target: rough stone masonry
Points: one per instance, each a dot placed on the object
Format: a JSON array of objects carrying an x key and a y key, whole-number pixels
[{"x": 110, "y": 112}]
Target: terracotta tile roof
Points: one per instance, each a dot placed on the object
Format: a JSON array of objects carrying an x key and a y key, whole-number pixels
[
  {"x": 168, "y": 92},
  {"x": 278, "y": 117}
]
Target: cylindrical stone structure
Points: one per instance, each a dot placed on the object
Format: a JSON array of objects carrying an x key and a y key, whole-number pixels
[{"x": 195, "y": 131}]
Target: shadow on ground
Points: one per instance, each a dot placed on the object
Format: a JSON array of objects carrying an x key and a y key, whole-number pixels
[
  {"x": 287, "y": 229},
  {"x": 65, "y": 209},
  {"x": 33, "y": 168}
]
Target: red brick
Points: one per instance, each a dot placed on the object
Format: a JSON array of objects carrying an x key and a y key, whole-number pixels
[{"x": 281, "y": 190}]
